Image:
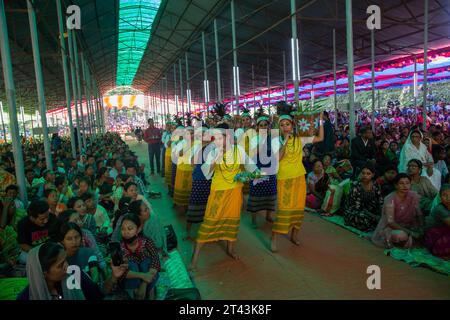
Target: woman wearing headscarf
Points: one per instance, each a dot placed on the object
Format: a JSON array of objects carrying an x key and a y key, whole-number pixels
[
  {"x": 48, "y": 278},
  {"x": 414, "y": 149},
  {"x": 291, "y": 182}
]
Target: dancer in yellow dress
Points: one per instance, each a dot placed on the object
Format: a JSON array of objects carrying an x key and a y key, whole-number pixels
[
  {"x": 183, "y": 179},
  {"x": 223, "y": 210},
  {"x": 291, "y": 185},
  {"x": 168, "y": 154}
]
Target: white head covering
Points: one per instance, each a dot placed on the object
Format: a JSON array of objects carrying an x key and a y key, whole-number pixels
[
  {"x": 410, "y": 151},
  {"x": 38, "y": 289}
]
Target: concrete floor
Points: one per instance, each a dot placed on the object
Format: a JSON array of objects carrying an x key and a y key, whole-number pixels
[{"x": 330, "y": 263}]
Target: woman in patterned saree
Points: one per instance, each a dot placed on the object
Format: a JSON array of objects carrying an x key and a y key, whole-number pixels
[{"x": 363, "y": 206}]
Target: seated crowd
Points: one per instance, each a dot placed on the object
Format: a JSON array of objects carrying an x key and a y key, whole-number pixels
[
  {"x": 391, "y": 184},
  {"x": 91, "y": 212}
]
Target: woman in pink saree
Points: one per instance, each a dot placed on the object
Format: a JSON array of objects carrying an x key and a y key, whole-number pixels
[{"x": 401, "y": 223}]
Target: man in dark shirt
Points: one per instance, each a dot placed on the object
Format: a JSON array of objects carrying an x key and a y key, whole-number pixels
[
  {"x": 153, "y": 137},
  {"x": 33, "y": 230},
  {"x": 362, "y": 149}
]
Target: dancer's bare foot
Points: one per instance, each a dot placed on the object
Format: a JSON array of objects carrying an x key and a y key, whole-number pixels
[
  {"x": 187, "y": 237},
  {"x": 273, "y": 246},
  {"x": 294, "y": 239},
  {"x": 233, "y": 254},
  {"x": 192, "y": 268}
]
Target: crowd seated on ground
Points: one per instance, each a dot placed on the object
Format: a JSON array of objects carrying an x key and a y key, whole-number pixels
[
  {"x": 70, "y": 218},
  {"x": 363, "y": 177},
  {"x": 392, "y": 184}
]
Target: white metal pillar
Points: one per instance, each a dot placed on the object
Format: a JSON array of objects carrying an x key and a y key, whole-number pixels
[
  {"x": 62, "y": 43},
  {"x": 219, "y": 81},
  {"x": 372, "y": 53},
  {"x": 336, "y": 125},
  {"x": 351, "y": 84},
  {"x": 39, "y": 82},
  {"x": 294, "y": 52},
  {"x": 76, "y": 98},
  {"x": 10, "y": 91},
  {"x": 236, "y": 85},
  {"x": 425, "y": 66}
]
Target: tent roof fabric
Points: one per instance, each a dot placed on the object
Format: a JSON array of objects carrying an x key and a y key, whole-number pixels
[{"x": 138, "y": 42}]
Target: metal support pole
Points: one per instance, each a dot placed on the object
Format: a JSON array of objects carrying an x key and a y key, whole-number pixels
[
  {"x": 181, "y": 88},
  {"x": 62, "y": 43},
  {"x": 167, "y": 100},
  {"x": 76, "y": 99},
  {"x": 32, "y": 125},
  {"x": 219, "y": 81},
  {"x": 416, "y": 90},
  {"x": 294, "y": 51},
  {"x": 10, "y": 92},
  {"x": 268, "y": 80},
  {"x": 205, "y": 75},
  {"x": 372, "y": 42},
  {"x": 161, "y": 102},
  {"x": 96, "y": 107},
  {"x": 86, "y": 92},
  {"x": 188, "y": 84},
  {"x": 80, "y": 97},
  {"x": 253, "y": 85},
  {"x": 336, "y": 125},
  {"x": 39, "y": 82},
  {"x": 175, "y": 88},
  {"x": 351, "y": 84},
  {"x": 22, "y": 114},
  {"x": 235, "y": 64},
  {"x": 425, "y": 66},
  {"x": 284, "y": 77},
  {"x": 3, "y": 121},
  {"x": 89, "y": 101}
]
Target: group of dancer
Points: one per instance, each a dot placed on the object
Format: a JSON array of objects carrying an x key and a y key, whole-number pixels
[{"x": 210, "y": 178}]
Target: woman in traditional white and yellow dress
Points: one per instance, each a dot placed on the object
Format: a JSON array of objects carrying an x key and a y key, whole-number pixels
[
  {"x": 244, "y": 133},
  {"x": 291, "y": 184},
  {"x": 223, "y": 210},
  {"x": 183, "y": 179},
  {"x": 262, "y": 197},
  {"x": 174, "y": 140},
  {"x": 168, "y": 155}
]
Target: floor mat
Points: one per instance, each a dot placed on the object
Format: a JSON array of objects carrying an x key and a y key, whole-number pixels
[
  {"x": 420, "y": 257},
  {"x": 175, "y": 275},
  {"x": 11, "y": 287}
]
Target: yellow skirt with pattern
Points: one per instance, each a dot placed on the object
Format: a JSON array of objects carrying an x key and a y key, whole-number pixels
[
  {"x": 168, "y": 167},
  {"x": 182, "y": 188},
  {"x": 222, "y": 216},
  {"x": 291, "y": 198}
]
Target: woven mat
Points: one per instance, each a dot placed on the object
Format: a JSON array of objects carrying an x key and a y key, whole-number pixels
[
  {"x": 11, "y": 287},
  {"x": 175, "y": 275},
  {"x": 420, "y": 257}
]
